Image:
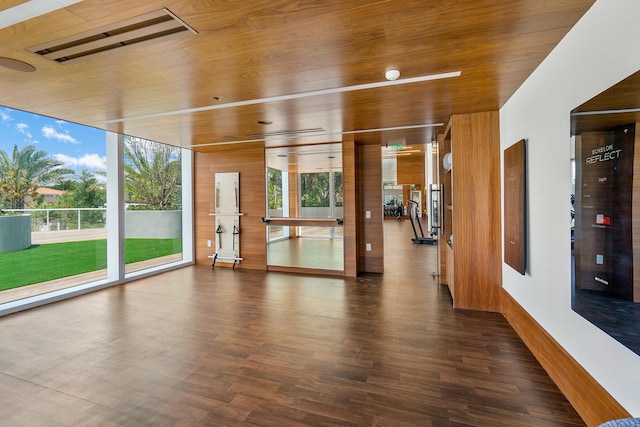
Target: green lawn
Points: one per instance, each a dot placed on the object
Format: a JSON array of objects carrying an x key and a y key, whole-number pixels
[{"x": 41, "y": 263}]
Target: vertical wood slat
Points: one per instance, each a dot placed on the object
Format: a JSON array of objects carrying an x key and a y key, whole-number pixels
[
  {"x": 370, "y": 230},
  {"x": 594, "y": 404},
  {"x": 249, "y": 161},
  {"x": 350, "y": 216}
]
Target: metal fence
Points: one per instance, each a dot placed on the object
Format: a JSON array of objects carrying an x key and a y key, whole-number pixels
[{"x": 64, "y": 218}]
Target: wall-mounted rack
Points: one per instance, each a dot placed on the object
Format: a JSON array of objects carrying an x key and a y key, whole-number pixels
[{"x": 227, "y": 214}]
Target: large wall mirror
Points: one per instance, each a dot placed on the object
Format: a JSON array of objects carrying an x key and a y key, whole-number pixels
[
  {"x": 304, "y": 208},
  {"x": 605, "y": 210}
]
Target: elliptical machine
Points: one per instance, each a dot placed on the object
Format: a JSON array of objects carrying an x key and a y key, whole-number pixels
[{"x": 414, "y": 217}]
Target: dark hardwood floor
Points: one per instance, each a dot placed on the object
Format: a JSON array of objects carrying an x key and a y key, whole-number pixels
[{"x": 203, "y": 347}]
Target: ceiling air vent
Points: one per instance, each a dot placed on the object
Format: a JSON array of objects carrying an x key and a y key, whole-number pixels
[{"x": 142, "y": 28}]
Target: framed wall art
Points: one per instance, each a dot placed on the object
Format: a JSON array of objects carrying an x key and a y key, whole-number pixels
[{"x": 515, "y": 242}]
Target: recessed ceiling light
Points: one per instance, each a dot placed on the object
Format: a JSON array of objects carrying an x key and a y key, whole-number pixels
[{"x": 15, "y": 65}]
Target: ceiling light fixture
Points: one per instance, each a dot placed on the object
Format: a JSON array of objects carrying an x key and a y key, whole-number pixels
[
  {"x": 16, "y": 65},
  {"x": 279, "y": 98},
  {"x": 286, "y": 132},
  {"x": 31, "y": 9},
  {"x": 596, "y": 113},
  {"x": 427, "y": 125},
  {"x": 392, "y": 74}
]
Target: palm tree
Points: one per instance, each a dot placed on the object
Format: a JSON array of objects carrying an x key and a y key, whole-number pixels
[
  {"x": 274, "y": 188},
  {"x": 152, "y": 173},
  {"x": 24, "y": 171}
]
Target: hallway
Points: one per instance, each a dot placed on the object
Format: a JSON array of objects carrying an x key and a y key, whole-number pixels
[
  {"x": 400, "y": 253},
  {"x": 203, "y": 347}
]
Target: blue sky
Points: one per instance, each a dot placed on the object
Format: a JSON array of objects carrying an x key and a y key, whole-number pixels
[{"x": 78, "y": 147}]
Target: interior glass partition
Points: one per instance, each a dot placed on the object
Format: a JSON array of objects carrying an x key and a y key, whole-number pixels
[{"x": 304, "y": 207}]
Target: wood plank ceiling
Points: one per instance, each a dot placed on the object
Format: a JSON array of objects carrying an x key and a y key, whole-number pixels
[
  {"x": 298, "y": 65},
  {"x": 617, "y": 106}
]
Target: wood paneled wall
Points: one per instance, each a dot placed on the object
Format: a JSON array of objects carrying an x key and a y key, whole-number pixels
[
  {"x": 476, "y": 210},
  {"x": 293, "y": 195},
  {"x": 594, "y": 404},
  {"x": 249, "y": 161},
  {"x": 369, "y": 163},
  {"x": 349, "y": 210},
  {"x": 411, "y": 169}
]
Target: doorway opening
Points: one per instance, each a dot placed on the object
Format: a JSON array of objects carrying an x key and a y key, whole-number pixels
[{"x": 409, "y": 175}]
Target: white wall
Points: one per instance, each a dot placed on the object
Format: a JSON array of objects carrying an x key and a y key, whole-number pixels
[{"x": 600, "y": 50}]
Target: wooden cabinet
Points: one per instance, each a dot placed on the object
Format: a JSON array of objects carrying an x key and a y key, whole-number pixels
[{"x": 472, "y": 213}]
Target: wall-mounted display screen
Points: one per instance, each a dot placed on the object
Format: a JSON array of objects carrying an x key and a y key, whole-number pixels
[{"x": 605, "y": 246}]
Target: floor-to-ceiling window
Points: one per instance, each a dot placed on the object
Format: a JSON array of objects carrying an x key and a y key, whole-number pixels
[
  {"x": 153, "y": 204},
  {"x": 76, "y": 204},
  {"x": 52, "y": 177}
]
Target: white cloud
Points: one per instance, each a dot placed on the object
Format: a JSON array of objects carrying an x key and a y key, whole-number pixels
[
  {"x": 89, "y": 161},
  {"x": 4, "y": 116},
  {"x": 24, "y": 128},
  {"x": 51, "y": 133}
]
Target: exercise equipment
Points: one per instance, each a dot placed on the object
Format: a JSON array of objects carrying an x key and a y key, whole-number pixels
[
  {"x": 414, "y": 217},
  {"x": 227, "y": 213}
]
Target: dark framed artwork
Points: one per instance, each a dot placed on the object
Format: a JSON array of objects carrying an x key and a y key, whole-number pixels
[{"x": 515, "y": 242}]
